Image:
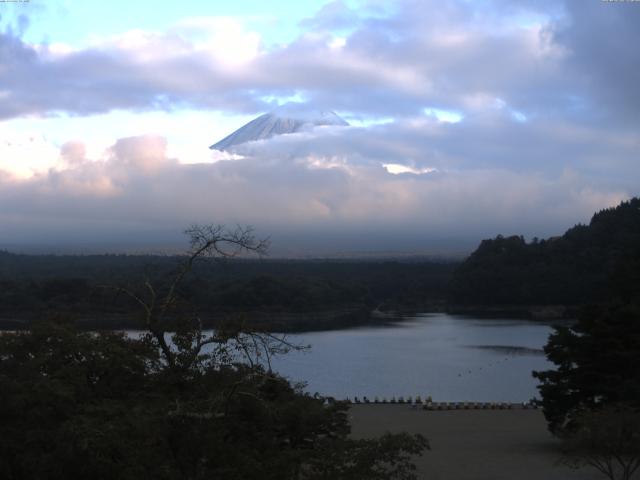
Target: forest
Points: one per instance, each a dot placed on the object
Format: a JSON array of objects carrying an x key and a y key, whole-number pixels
[
  {"x": 288, "y": 294},
  {"x": 586, "y": 264}
]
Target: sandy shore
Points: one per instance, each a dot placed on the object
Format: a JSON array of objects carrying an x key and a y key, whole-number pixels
[{"x": 473, "y": 444}]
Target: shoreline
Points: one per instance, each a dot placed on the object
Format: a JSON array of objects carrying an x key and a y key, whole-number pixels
[
  {"x": 302, "y": 321},
  {"x": 525, "y": 312},
  {"x": 428, "y": 405},
  {"x": 274, "y": 322}
]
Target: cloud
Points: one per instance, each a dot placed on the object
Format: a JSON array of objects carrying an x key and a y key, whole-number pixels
[
  {"x": 146, "y": 153},
  {"x": 312, "y": 200},
  {"x": 601, "y": 58},
  {"x": 539, "y": 59},
  {"x": 73, "y": 152},
  {"x": 540, "y": 99}
]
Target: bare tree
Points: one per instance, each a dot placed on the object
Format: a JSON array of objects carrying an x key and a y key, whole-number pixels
[{"x": 164, "y": 320}]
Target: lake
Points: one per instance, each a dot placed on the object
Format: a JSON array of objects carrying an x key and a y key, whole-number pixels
[{"x": 450, "y": 358}]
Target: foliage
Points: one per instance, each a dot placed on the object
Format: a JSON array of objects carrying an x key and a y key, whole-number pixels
[
  {"x": 592, "y": 399},
  {"x": 608, "y": 440},
  {"x": 33, "y": 286},
  {"x": 188, "y": 404},
  {"x": 586, "y": 264},
  {"x": 596, "y": 365}
]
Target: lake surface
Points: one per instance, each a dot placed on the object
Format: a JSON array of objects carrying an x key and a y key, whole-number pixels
[{"x": 450, "y": 358}]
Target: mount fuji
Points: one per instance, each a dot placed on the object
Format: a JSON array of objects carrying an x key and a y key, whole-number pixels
[{"x": 287, "y": 118}]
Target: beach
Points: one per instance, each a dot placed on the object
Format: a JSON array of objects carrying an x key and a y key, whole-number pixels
[{"x": 473, "y": 444}]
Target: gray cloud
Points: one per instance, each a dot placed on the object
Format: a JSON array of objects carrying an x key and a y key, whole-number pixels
[
  {"x": 312, "y": 200},
  {"x": 549, "y": 133},
  {"x": 447, "y": 54},
  {"x": 603, "y": 58}
]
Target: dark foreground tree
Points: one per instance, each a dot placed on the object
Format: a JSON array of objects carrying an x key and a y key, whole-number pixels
[
  {"x": 592, "y": 400},
  {"x": 607, "y": 439},
  {"x": 182, "y": 405},
  {"x": 596, "y": 365}
]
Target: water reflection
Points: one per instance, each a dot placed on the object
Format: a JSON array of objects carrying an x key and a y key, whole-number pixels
[{"x": 450, "y": 358}]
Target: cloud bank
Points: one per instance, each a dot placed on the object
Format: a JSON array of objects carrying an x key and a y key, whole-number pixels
[
  {"x": 499, "y": 117},
  {"x": 298, "y": 189}
]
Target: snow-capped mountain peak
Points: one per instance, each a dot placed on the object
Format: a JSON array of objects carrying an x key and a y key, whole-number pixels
[{"x": 288, "y": 118}]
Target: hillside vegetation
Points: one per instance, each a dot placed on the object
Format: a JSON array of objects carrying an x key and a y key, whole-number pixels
[{"x": 589, "y": 263}]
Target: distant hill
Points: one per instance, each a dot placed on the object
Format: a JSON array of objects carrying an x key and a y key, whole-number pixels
[
  {"x": 589, "y": 263},
  {"x": 288, "y": 118}
]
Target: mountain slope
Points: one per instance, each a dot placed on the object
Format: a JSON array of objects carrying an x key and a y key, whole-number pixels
[
  {"x": 288, "y": 118},
  {"x": 589, "y": 263}
]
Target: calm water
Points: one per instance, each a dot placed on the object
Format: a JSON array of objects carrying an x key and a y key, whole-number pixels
[{"x": 451, "y": 358}]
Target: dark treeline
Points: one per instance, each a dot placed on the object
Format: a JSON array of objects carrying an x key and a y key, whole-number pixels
[
  {"x": 33, "y": 286},
  {"x": 588, "y": 264},
  {"x": 591, "y": 398}
]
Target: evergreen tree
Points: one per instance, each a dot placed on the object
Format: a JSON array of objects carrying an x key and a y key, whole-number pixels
[{"x": 596, "y": 365}]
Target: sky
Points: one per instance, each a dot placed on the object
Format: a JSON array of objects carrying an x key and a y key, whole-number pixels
[{"x": 468, "y": 119}]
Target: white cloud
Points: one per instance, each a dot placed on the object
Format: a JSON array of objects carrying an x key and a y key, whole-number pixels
[
  {"x": 23, "y": 154},
  {"x": 398, "y": 169},
  {"x": 225, "y": 38}
]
